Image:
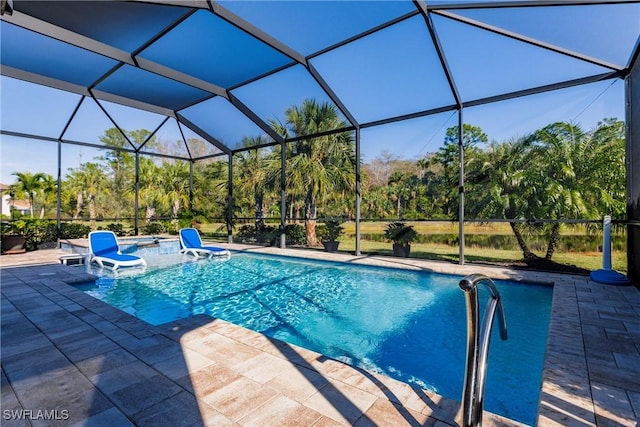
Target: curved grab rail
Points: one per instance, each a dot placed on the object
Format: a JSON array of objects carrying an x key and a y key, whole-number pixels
[{"x": 478, "y": 345}]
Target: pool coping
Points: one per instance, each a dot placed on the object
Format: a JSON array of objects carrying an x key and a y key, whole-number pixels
[{"x": 592, "y": 360}]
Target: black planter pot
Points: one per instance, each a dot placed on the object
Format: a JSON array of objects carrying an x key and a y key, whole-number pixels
[
  {"x": 401, "y": 250},
  {"x": 330, "y": 246}
]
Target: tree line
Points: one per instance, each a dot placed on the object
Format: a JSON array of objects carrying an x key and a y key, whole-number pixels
[{"x": 557, "y": 172}]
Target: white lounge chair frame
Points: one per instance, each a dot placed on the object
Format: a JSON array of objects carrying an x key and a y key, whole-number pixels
[
  {"x": 199, "y": 250},
  {"x": 104, "y": 260}
]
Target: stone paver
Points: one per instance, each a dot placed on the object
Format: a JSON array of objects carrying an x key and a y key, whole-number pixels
[
  {"x": 280, "y": 411},
  {"x": 342, "y": 402},
  {"x": 239, "y": 397},
  {"x": 65, "y": 351}
]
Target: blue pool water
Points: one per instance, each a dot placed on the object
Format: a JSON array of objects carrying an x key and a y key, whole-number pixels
[{"x": 405, "y": 324}]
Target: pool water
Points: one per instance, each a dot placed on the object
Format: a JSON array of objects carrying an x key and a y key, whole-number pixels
[{"x": 409, "y": 325}]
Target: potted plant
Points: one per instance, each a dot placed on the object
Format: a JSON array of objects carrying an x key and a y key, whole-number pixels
[
  {"x": 13, "y": 238},
  {"x": 401, "y": 235},
  {"x": 329, "y": 233}
]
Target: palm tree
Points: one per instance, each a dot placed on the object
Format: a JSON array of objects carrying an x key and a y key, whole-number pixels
[
  {"x": 606, "y": 159},
  {"x": 558, "y": 172},
  {"x": 320, "y": 165},
  {"x": 404, "y": 188},
  {"x": 210, "y": 188},
  {"x": 376, "y": 203},
  {"x": 48, "y": 191},
  {"x": 174, "y": 181},
  {"x": 29, "y": 183},
  {"x": 149, "y": 190},
  {"x": 74, "y": 188},
  {"x": 253, "y": 176},
  {"x": 506, "y": 186},
  {"x": 396, "y": 189},
  {"x": 121, "y": 165},
  {"x": 580, "y": 174},
  {"x": 93, "y": 179}
]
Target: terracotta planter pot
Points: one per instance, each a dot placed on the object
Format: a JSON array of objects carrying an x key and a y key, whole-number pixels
[{"x": 13, "y": 244}]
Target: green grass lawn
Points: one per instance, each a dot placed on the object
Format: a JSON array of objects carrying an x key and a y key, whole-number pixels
[{"x": 590, "y": 260}]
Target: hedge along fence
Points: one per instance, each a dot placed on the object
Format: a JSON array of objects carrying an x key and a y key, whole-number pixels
[
  {"x": 567, "y": 243},
  {"x": 295, "y": 234},
  {"x": 39, "y": 232}
]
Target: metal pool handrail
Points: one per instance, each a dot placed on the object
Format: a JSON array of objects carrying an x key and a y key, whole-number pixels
[{"x": 478, "y": 345}]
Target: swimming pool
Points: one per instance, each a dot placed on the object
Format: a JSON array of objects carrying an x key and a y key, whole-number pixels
[{"x": 409, "y": 325}]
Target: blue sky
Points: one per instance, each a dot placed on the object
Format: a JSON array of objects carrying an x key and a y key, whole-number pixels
[{"x": 389, "y": 73}]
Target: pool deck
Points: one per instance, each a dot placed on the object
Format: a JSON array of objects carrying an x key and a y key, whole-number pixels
[{"x": 69, "y": 359}]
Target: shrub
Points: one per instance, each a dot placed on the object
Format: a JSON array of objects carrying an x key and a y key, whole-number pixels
[
  {"x": 39, "y": 231},
  {"x": 185, "y": 223},
  {"x": 190, "y": 219},
  {"x": 153, "y": 228},
  {"x": 246, "y": 233},
  {"x": 250, "y": 234},
  {"x": 117, "y": 228},
  {"x": 269, "y": 235},
  {"x": 171, "y": 227},
  {"x": 35, "y": 231},
  {"x": 296, "y": 234},
  {"x": 72, "y": 230}
]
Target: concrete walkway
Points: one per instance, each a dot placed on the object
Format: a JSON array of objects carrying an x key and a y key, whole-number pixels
[{"x": 69, "y": 359}]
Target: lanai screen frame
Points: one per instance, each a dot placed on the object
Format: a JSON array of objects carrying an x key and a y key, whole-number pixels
[{"x": 422, "y": 9}]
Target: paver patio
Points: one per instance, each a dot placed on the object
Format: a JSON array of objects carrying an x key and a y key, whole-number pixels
[{"x": 87, "y": 363}]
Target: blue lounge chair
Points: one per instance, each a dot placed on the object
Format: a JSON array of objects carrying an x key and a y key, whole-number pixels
[
  {"x": 191, "y": 243},
  {"x": 104, "y": 251}
]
